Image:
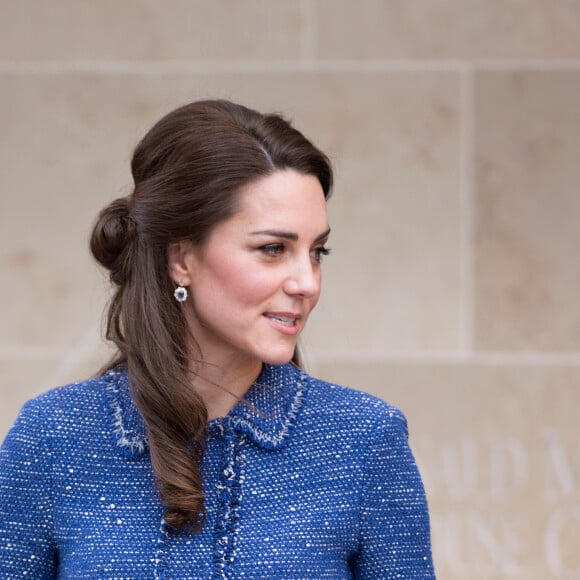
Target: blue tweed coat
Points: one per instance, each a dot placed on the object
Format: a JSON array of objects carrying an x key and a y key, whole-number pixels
[{"x": 320, "y": 485}]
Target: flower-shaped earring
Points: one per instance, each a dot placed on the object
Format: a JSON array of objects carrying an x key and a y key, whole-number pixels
[{"x": 180, "y": 294}]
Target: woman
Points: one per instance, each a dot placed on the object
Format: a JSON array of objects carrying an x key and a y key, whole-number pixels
[{"x": 201, "y": 451}]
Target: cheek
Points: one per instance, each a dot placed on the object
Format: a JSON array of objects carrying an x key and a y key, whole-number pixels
[
  {"x": 247, "y": 284},
  {"x": 256, "y": 287}
]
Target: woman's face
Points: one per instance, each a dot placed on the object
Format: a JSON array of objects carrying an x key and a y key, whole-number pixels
[{"x": 254, "y": 282}]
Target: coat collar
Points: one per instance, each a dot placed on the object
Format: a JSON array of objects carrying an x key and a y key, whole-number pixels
[{"x": 265, "y": 416}]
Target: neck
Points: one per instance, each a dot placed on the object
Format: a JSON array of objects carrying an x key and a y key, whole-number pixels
[{"x": 222, "y": 385}]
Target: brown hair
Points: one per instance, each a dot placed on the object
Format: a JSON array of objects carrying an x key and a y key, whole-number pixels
[{"x": 187, "y": 171}]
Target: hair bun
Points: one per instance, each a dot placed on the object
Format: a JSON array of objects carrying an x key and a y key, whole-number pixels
[{"x": 112, "y": 238}]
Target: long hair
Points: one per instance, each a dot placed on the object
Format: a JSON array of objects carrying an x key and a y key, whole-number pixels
[{"x": 187, "y": 171}]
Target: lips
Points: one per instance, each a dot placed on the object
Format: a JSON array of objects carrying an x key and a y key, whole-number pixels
[{"x": 285, "y": 319}]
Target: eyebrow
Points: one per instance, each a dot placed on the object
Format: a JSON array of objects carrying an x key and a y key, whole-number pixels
[{"x": 287, "y": 235}]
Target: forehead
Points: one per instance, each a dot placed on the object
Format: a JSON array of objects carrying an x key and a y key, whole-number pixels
[{"x": 284, "y": 194}]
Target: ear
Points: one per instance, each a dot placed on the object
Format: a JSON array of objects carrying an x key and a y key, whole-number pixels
[{"x": 180, "y": 262}]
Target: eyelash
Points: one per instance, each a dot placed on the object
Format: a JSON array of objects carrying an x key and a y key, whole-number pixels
[
  {"x": 320, "y": 252},
  {"x": 274, "y": 250}
]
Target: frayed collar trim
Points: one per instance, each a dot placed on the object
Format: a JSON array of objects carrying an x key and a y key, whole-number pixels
[
  {"x": 265, "y": 417},
  {"x": 271, "y": 406},
  {"x": 128, "y": 426}
]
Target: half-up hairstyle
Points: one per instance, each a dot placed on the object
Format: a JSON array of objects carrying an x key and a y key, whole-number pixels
[{"x": 187, "y": 170}]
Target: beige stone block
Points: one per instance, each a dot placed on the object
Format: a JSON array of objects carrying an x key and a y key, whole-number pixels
[
  {"x": 393, "y": 280},
  {"x": 395, "y": 212},
  {"x": 65, "y": 152},
  {"x": 73, "y": 30},
  {"x": 527, "y": 272},
  {"x": 499, "y": 451},
  {"x": 448, "y": 29}
]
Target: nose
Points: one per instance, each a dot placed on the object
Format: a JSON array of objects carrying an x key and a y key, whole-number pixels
[{"x": 304, "y": 279}]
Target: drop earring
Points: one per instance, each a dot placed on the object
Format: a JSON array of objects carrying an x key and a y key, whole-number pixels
[{"x": 180, "y": 294}]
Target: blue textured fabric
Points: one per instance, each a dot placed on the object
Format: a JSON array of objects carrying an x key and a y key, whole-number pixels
[{"x": 320, "y": 483}]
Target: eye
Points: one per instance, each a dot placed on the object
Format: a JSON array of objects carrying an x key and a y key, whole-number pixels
[
  {"x": 317, "y": 253},
  {"x": 272, "y": 250}
]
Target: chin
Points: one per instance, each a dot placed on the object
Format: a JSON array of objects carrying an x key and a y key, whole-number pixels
[{"x": 278, "y": 358}]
